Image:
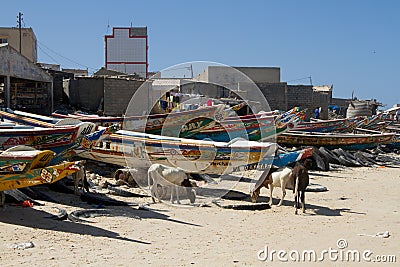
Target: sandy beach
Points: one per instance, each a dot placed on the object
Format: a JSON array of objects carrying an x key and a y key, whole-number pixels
[{"x": 359, "y": 203}]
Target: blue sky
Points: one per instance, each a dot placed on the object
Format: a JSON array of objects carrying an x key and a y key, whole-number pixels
[{"x": 353, "y": 44}]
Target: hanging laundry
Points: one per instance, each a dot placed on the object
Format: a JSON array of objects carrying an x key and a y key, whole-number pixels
[{"x": 163, "y": 104}]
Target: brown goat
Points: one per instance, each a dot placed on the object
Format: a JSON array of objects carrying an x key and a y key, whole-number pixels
[{"x": 301, "y": 180}]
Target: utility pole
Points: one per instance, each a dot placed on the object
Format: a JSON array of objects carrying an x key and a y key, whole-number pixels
[
  {"x": 20, "y": 31},
  {"x": 191, "y": 70}
]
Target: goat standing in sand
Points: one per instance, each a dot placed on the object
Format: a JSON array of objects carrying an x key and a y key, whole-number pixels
[
  {"x": 286, "y": 178},
  {"x": 160, "y": 175},
  {"x": 275, "y": 178},
  {"x": 301, "y": 180},
  {"x": 79, "y": 177}
]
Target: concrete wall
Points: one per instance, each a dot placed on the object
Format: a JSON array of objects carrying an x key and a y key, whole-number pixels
[
  {"x": 118, "y": 93},
  {"x": 85, "y": 92},
  {"x": 275, "y": 94},
  {"x": 262, "y": 74},
  {"x": 232, "y": 75},
  {"x": 58, "y": 78},
  {"x": 97, "y": 93},
  {"x": 29, "y": 43},
  {"x": 304, "y": 96},
  {"x": 14, "y": 65}
]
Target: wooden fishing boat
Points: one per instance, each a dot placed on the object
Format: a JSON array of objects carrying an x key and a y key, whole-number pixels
[
  {"x": 252, "y": 129},
  {"x": 368, "y": 122},
  {"x": 137, "y": 150},
  {"x": 326, "y": 126},
  {"x": 262, "y": 126},
  {"x": 23, "y": 166},
  {"x": 348, "y": 141},
  {"x": 57, "y": 138},
  {"x": 19, "y": 158},
  {"x": 21, "y": 118},
  {"x": 99, "y": 120},
  {"x": 396, "y": 142},
  {"x": 183, "y": 123}
]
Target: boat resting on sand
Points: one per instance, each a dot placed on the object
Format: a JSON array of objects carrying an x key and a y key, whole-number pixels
[
  {"x": 185, "y": 123},
  {"x": 139, "y": 150},
  {"x": 23, "y": 166},
  {"x": 254, "y": 127},
  {"x": 58, "y": 137},
  {"x": 326, "y": 126},
  {"x": 349, "y": 141}
]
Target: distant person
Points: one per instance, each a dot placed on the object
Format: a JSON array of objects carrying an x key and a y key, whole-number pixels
[{"x": 316, "y": 112}]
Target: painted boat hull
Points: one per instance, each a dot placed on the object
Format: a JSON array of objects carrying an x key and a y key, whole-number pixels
[
  {"x": 325, "y": 126},
  {"x": 280, "y": 160},
  {"x": 23, "y": 158},
  {"x": 332, "y": 141},
  {"x": 251, "y": 127},
  {"x": 37, "y": 176},
  {"x": 138, "y": 150},
  {"x": 44, "y": 135}
]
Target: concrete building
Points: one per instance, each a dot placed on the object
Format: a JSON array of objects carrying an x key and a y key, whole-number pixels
[
  {"x": 279, "y": 95},
  {"x": 23, "y": 84},
  {"x": 28, "y": 41},
  {"x": 126, "y": 50},
  {"x": 77, "y": 72},
  {"x": 49, "y": 66},
  {"x": 112, "y": 94}
]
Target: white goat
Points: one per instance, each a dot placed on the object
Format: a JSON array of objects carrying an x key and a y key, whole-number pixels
[
  {"x": 275, "y": 178},
  {"x": 161, "y": 175}
]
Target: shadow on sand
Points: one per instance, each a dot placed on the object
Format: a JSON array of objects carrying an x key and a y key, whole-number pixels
[
  {"x": 313, "y": 210},
  {"x": 33, "y": 218}
]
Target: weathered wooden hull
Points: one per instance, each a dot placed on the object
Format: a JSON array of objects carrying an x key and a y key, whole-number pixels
[
  {"x": 37, "y": 176},
  {"x": 396, "y": 142},
  {"x": 250, "y": 127},
  {"x": 324, "y": 126},
  {"x": 22, "y": 158},
  {"x": 126, "y": 148},
  {"x": 182, "y": 124},
  {"x": 43, "y": 135},
  {"x": 345, "y": 141}
]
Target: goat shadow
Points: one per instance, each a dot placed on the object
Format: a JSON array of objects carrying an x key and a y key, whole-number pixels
[{"x": 317, "y": 209}]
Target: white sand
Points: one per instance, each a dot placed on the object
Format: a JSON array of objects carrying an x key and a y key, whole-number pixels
[{"x": 359, "y": 201}]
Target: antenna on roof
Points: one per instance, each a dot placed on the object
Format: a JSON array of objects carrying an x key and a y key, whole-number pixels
[
  {"x": 20, "y": 32},
  {"x": 310, "y": 80}
]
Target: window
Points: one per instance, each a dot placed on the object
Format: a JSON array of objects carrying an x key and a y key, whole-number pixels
[{"x": 3, "y": 40}]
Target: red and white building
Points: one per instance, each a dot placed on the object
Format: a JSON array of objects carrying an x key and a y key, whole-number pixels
[{"x": 127, "y": 50}]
